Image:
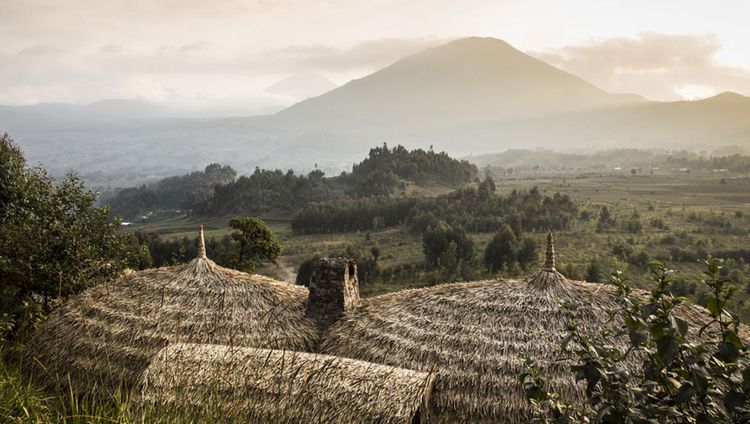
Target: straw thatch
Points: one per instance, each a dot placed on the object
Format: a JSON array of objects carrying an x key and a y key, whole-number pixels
[
  {"x": 475, "y": 335},
  {"x": 472, "y": 336},
  {"x": 274, "y": 386},
  {"x": 107, "y": 335}
]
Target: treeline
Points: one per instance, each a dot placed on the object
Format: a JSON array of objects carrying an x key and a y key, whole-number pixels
[
  {"x": 735, "y": 162},
  {"x": 181, "y": 192},
  {"x": 217, "y": 191},
  {"x": 519, "y": 160},
  {"x": 475, "y": 209},
  {"x": 265, "y": 190}
]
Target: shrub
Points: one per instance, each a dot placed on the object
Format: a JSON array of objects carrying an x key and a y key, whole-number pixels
[{"x": 679, "y": 380}]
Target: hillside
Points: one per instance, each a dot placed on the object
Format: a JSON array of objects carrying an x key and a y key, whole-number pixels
[{"x": 215, "y": 191}]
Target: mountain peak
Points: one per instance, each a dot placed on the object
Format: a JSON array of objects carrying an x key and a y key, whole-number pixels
[
  {"x": 467, "y": 80},
  {"x": 477, "y": 49},
  {"x": 728, "y": 97},
  {"x": 302, "y": 86},
  {"x": 489, "y": 42}
]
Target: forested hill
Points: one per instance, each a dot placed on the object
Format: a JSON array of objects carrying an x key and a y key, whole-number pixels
[
  {"x": 179, "y": 192},
  {"x": 216, "y": 191},
  {"x": 384, "y": 170}
]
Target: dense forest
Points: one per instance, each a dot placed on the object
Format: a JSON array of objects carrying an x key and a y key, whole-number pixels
[
  {"x": 265, "y": 190},
  {"x": 216, "y": 191},
  {"x": 180, "y": 192},
  {"x": 476, "y": 209},
  {"x": 384, "y": 171}
]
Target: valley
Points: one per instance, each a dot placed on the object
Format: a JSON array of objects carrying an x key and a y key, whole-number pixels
[{"x": 683, "y": 216}]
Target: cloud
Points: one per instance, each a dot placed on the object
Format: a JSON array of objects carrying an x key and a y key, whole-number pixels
[
  {"x": 370, "y": 54},
  {"x": 41, "y": 50},
  {"x": 657, "y": 66},
  {"x": 196, "y": 47},
  {"x": 191, "y": 72},
  {"x": 111, "y": 49}
]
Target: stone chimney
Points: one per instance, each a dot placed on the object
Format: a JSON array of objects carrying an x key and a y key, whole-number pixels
[{"x": 334, "y": 290}]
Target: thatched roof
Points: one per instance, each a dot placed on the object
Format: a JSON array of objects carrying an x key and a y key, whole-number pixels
[
  {"x": 196, "y": 381},
  {"x": 472, "y": 336},
  {"x": 108, "y": 334},
  {"x": 475, "y": 335}
]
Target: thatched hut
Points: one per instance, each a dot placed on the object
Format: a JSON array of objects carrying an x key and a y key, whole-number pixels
[
  {"x": 196, "y": 381},
  {"x": 475, "y": 336},
  {"x": 106, "y": 336},
  {"x": 472, "y": 337}
]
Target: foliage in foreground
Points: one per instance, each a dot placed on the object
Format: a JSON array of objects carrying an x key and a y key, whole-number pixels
[
  {"x": 682, "y": 378},
  {"x": 54, "y": 243}
]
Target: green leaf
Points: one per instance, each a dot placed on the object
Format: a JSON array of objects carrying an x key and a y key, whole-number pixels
[
  {"x": 682, "y": 326},
  {"x": 714, "y": 306},
  {"x": 667, "y": 348},
  {"x": 700, "y": 382},
  {"x": 637, "y": 338},
  {"x": 732, "y": 338},
  {"x": 728, "y": 352}
]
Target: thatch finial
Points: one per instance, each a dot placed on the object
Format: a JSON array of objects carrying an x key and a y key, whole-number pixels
[
  {"x": 549, "y": 263},
  {"x": 201, "y": 245}
]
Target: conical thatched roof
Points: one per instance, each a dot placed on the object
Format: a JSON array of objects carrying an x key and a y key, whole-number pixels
[
  {"x": 196, "y": 381},
  {"x": 475, "y": 335},
  {"x": 108, "y": 334}
]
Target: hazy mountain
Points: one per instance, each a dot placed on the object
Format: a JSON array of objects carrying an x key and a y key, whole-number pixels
[
  {"x": 302, "y": 86},
  {"x": 699, "y": 124},
  {"x": 50, "y": 116},
  {"x": 468, "y": 80},
  {"x": 471, "y": 96},
  {"x": 481, "y": 95}
]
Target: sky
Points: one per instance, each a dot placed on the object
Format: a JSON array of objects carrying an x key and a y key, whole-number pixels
[{"x": 222, "y": 54}]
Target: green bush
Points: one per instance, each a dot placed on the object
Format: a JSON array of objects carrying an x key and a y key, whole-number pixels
[{"x": 679, "y": 380}]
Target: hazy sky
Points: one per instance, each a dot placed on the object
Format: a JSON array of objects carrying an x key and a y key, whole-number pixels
[{"x": 223, "y": 53}]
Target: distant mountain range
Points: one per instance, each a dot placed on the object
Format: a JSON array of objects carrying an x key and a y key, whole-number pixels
[
  {"x": 302, "y": 86},
  {"x": 470, "y": 96}
]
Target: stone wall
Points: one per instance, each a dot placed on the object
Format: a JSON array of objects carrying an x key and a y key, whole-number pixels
[{"x": 334, "y": 290}]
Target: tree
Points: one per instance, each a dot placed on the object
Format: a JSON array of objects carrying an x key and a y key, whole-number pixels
[
  {"x": 501, "y": 251},
  {"x": 378, "y": 223},
  {"x": 375, "y": 252},
  {"x": 487, "y": 188},
  {"x": 256, "y": 242},
  {"x": 53, "y": 241},
  {"x": 527, "y": 253},
  {"x": 445, "y": 246},
  {"x": 594, "y": 273},
  {"x": 605, "y": 219},
  {"x": 449, "y": 258}
]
